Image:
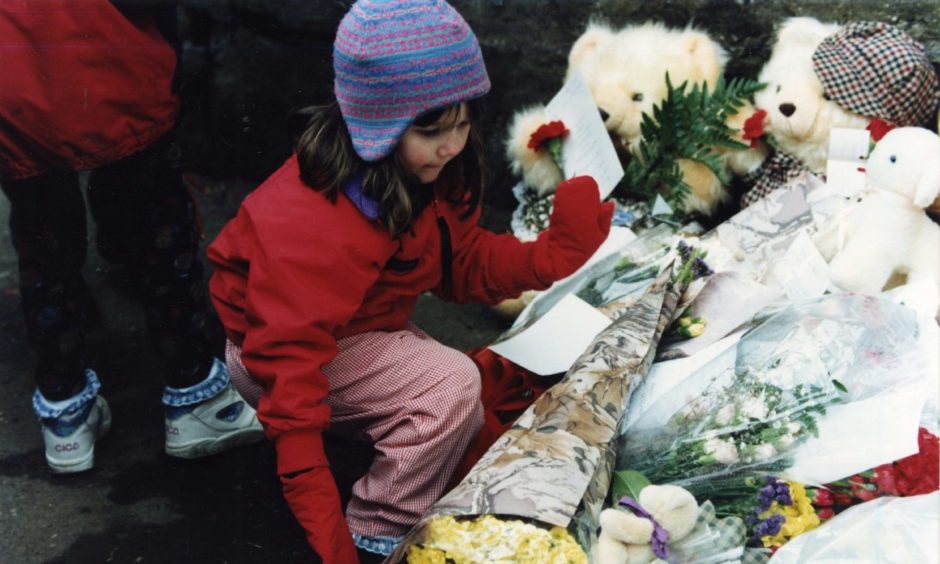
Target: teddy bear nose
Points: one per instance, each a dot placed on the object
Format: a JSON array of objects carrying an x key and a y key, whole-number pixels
[
  {"x": 604, "y": 115},
  {"x": 787, "y": 109}
]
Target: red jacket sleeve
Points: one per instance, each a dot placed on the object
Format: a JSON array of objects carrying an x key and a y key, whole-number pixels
[
  {"x": 487, "y": 267},
  {"x": 293, "y": 304}
]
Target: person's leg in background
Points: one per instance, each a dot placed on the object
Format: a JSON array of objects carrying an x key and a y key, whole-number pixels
[
  {"x": 47, "y": 224},
  {"x": 146, "y": 219}
]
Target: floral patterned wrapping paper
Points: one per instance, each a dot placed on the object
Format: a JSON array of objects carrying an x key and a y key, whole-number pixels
[{"x": 557, "y": 457}]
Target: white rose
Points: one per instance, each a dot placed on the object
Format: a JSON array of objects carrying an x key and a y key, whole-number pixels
[
  {"x": 725, "y": 415},
  {"x": 765, "y": 451},
  {"x": 723, "y": 451},
  {"x": 794, "y": 427},
  {"x": 784, "y": 441},
  {"x": 754, "y": 408}
]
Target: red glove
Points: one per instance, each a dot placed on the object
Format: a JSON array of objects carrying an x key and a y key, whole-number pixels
[
  {"x": 313, "y": 498},
  {"x": 578, "y": 225}
]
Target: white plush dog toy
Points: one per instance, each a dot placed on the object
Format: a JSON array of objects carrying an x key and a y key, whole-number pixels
[{"x": 888, "y": 234}]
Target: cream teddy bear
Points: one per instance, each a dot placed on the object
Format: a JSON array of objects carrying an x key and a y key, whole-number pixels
[
  {"x": 626, "y": 72},
  {"x": 887, "y": 235},
  {"x": 822, "y": 76},
  {"x": 800, "y": 114},
  {"x": 625, "y": 537}
]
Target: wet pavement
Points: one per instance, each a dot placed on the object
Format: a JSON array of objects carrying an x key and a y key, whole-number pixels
[{"x": 137, "y": 504}]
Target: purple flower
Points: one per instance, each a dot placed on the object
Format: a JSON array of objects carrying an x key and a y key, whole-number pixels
[
  {"x": 769, "y": 526},
  {"x": 700, "y": 268},
  {"x": 765, "y": 496},
  {"x": 685, "y": 251}
]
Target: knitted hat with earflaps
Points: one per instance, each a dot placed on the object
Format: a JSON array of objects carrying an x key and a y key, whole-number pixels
[
  {"x": 397, "y": 59},
  {"x": 877, "y": 70}
]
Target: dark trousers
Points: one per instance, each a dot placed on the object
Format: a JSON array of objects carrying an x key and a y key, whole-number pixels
[{"x": 145, "y": 220}]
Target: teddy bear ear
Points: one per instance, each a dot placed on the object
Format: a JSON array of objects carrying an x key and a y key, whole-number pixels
[
  {"x": 803, "y": 31},
  {"x": 707, "y": 57},
  {"x": 590, "y": 42}
]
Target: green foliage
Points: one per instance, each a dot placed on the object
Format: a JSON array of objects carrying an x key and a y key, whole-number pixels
[
  {"x": 627, "y": 483},
  {"x": 688, "y": 124}
]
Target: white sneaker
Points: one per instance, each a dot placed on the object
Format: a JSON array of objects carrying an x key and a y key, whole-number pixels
[
  {"x": 75, "y": 452},
  {"x": 218, "y": 424}
]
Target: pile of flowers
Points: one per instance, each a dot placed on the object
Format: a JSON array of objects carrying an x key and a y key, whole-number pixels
[
  {"x": 750, "y": 422},
  {"x": 489, "y": 539},
  {"x": 784, "y": 510},
  {"x": 914, "y": 475}
]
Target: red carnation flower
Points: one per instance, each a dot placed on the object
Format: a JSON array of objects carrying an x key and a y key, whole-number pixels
[
  {"x": 822, "y": 498},
  {"x": 546, "y": 132},
  {"x": 919, "y": 473},
  {"x": 754, "y": 127},
  {"x": 548, "y": 137},
  {"x": 879, "y": 128}
]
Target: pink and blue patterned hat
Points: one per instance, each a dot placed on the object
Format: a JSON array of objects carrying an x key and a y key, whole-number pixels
[{"x": 397, "y": 59}]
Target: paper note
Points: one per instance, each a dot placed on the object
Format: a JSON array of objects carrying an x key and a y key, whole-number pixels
[
  {"x": 886, "y": 425},
  {"x": 801, "y": 272},
  {"x": 845, "y": 168},
  {"x": 555, "y": 340},
  {"x": 587, "y": 150}
]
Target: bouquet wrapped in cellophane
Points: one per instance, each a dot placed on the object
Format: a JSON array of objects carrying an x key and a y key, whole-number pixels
[
  {"x": 731, "y": 429},
  {"x": 557, "y": 458}
]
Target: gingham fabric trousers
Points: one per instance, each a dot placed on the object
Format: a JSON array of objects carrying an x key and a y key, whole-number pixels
[{"x": 415, "y": 399}]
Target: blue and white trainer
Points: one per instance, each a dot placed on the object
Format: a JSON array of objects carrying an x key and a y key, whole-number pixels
[
  {"x": 70, "y": 441},
  {"x": 222, "y": 422}
]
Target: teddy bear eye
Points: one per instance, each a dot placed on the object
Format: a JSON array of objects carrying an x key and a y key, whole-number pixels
[
  {"x": 638, "y": 97},
  {"x": 893, "y": 158}
]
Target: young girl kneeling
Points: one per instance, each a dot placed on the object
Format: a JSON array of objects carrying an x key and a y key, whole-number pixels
[{"x": 317, "y": 276}]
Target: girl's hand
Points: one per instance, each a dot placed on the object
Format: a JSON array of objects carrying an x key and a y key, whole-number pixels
[
  {"x": 312, "y": 496},
  {"x": 578, "y": 225}
]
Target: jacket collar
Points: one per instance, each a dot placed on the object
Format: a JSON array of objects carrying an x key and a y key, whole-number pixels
[{"x": 366, "y": 205}]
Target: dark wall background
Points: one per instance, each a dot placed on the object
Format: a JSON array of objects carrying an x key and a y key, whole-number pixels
[{"x": 248, "y": 64}]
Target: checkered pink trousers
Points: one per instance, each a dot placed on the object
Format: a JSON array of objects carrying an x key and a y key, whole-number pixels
[{"x": 415, "y": 399}]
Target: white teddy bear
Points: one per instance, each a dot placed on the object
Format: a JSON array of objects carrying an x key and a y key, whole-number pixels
[
  {"x": 625, "y": 537},
  {"x": 887, "y": 234},
  {"x": 626, "y": 72},
  {"x": 822, "y": 76}
]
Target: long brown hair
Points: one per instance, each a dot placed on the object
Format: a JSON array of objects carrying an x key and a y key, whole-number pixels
[{"x": 328, "y": 161}]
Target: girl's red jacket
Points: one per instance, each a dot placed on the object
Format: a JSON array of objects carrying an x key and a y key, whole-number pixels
[
  {"x": 81, "y": 85},
  {"x": 294, "y": 272}
]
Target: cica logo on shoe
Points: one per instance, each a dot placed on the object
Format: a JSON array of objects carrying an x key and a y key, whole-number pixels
[{"x": 67, "y": 447}]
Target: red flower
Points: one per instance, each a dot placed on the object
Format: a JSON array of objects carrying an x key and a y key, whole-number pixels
[
  {"x": 883, "y": 478},
  {"x": 822, "y": 498},
  {"x": 879, "y": 128},
  {"x": 545, "y": 132},
  {"x": 864, "y": 492},
  {"x": 919, "y": 473},
  {"x": 842, "y": 499},
  {"x": 754, "y": 127},
  {"x": 825, "y": 513}
]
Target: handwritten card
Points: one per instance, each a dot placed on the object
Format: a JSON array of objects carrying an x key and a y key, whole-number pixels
[
  {"x": 845, "y": 168},
  {"x": 587, "y": 149}
]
